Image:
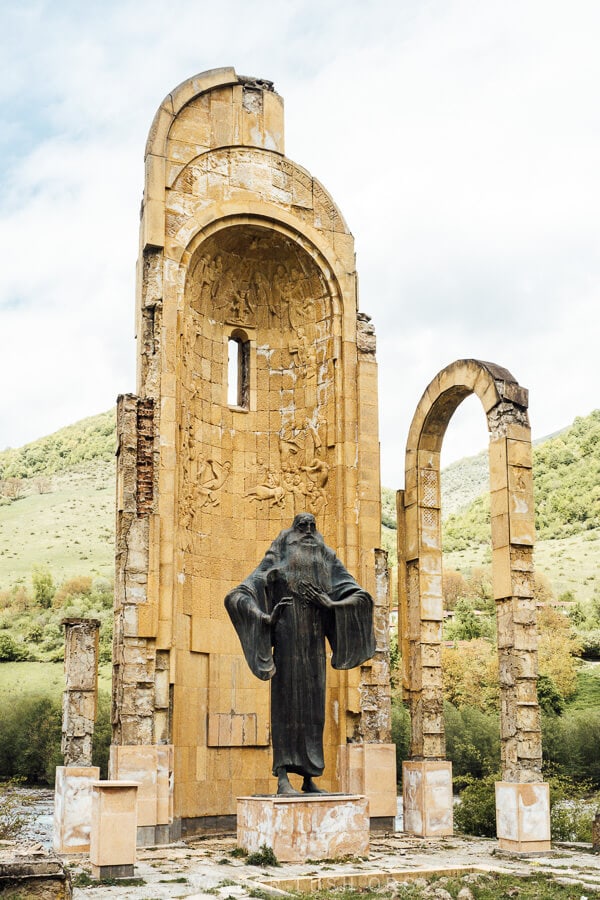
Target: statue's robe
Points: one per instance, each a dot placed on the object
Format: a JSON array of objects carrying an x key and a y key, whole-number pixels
[{"x": 292, "y": 652}]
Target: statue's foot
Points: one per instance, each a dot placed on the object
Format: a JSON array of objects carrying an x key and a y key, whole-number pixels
[
  {"x": 309, "y": 787},
  {"x": 284, "y": 787}
]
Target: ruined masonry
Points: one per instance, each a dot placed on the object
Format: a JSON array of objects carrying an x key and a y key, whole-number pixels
[{"x": 256, "y": 400}]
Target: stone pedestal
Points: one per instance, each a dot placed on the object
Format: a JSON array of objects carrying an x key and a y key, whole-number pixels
[
  {"x": 151, "y": 766},
  {"x": 370, "y": 770},
  {"x": 523, "y": 816},
  {"x": 427, "y": 796},
  {"x": 114, "y": 824},
  {"x": 73, "y": 808},
  {"x": 309, "y": 826}
]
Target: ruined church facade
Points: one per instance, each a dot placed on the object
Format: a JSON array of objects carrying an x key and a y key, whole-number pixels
[{"x": 256, "y": 399}]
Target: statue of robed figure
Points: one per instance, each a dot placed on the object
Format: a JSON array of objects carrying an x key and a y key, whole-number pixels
[{"x": 299, "y": 595}]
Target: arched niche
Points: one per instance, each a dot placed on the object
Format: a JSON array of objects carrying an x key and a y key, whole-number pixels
[{"x": 505, "y": 404}]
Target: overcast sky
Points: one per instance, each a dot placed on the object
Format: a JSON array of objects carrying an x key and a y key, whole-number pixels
[{"x": 460, "y": 138}]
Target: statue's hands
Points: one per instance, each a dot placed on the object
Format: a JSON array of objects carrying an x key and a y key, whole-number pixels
[
  {"x": 319, "y": 598},
  {"x": 277, "y": 613}
]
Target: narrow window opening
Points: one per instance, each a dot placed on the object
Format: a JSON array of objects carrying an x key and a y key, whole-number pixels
[{"x": 237, "y": 372}]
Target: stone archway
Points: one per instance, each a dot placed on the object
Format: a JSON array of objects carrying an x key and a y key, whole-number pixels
[{"x": 427, "y": 776}]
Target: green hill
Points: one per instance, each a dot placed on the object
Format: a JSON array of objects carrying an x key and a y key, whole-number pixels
[
  {"x": 57, "y": 506},
  {"x": 57, "y": 501},
  {"x": 566, "y": 481}
]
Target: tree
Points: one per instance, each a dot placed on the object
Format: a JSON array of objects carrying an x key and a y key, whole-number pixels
[
  {"x": 470, "y": 675},
  {"x": 43, "y": 587},
  {"x": 558, "y": 649},
  {"x": 454, "y": 587}
]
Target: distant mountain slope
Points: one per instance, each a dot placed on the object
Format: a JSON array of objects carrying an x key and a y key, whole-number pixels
[
  {"x": 566, "y": 477},
  {"x": 85, "y": 441},
  {"x": 463, "y": 481},
  {"x": 57, "y": 503},
  {"x": 63, "y": 517}
]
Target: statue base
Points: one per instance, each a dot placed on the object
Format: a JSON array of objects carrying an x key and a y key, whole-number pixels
[
  {"x": 427, "y": 797},
  {"x": 308, "y": 826},
  {"x": 523, "y": 817}
]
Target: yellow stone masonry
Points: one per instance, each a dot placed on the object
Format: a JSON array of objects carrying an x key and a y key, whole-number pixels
[{"x": 256, "y": 400}]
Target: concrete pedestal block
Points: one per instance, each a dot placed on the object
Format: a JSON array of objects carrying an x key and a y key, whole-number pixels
[
  {"x": 427, "y": 797},
  {"x": 310, "y": 826},
  {"x": 151, "y": 766},
  {"x": 73, "y": 808},
  {"x": 114, "y": 825},
  {"x": 370, "y": 770},
  {"x": 523, "y": 816}
]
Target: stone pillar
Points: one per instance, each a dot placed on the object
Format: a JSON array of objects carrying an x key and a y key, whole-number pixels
[
  {"x": 114, "y": 829},
  {"x": 369, "y": 766},
  {"x": 80, "y": 695},
  {"x": 72, "y": 794}
]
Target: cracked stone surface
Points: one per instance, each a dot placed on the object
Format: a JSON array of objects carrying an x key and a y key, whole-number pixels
[{"x": 206, "y": 868}]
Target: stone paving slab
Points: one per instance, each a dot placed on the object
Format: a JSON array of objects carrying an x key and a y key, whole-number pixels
[{"x": 199, "y": 869}]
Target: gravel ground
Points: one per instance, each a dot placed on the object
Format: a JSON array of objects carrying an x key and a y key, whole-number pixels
[{"x": 205, "y": 868}]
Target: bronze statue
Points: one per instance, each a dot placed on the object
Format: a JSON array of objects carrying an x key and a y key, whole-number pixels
[{"x": 298, "y": 595}]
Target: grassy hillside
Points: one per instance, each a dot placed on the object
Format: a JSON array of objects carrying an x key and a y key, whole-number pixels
[
  {"x": 566, "y": 477},
  {"x": 57, "y": 498},
  {"x": 63, "y": 518}
]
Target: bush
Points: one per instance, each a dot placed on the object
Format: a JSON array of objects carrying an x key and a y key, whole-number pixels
[
  {"x": 400, "y": 734},
  {"x": 102, "y": 735},
  {"x": 476, "y": 812},
  {"x": 571, "y": 744},
  {"x": 13, "y": 806},
  {"x": 472, "y": 741},
  {"x": 30, "y": 731},
  {"x": 43, "y": 587},
  {"x": 10, "y": 650}
]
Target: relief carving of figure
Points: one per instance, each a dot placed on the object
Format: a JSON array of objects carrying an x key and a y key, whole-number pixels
[
  {"x": 297, "y": 597},
  {"x": 218, "y": 475}
]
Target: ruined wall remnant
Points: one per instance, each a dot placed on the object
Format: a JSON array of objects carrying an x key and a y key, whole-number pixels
[
  {"x": 511, "y": 484},
  {"x": 81, "y": 690},
  {"x": 256, "y": 399}
]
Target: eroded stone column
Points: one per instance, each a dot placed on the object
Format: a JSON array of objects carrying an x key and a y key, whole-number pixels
[
  {"x": 369, "y": 766},
  {"x": 81, "y": 690},
  {"x": 73, "y": 787}
]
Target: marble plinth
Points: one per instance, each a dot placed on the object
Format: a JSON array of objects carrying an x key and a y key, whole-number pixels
[
  {"x": 308, "y": 826},
  {"x": 73, "y": 808},
  {"x": 523, "y": 816},
  {"x": 114, "y": 827},
  {"x": 427, "y": 797}
]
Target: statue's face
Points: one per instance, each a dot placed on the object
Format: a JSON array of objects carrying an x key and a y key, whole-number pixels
[{"x": 305, "y": 527}]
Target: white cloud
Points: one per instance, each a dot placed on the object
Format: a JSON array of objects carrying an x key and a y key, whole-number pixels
[{"x": 459, "y": 138}]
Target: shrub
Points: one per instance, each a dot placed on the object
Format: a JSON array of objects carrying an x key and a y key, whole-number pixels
[
  {"x": 476, "y": 812},
  {"x": 13, "y": 806},
  {"x": 10, "y": 650},
  {"x": 571, "y": 744},
  {"x": 43, "y": 587},
  {"x": 30, "y": 730},
  {"x": 80, "y": 586},
  {"x": 472, "y": 741},
  {"x": 400, "y": 733}
]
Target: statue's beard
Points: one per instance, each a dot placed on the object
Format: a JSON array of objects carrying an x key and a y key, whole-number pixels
[{"x": 306, "y": 562}]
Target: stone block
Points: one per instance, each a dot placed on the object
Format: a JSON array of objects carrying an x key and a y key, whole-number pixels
[
  {"x": 370, "y": 769},
  {"x": 73, "y": 808},
  {"x": 114, "y": 827},
  {"x": 151, "y": 767},
  {"x": 523, "y": 816},
  {"x": 297, "y": 828},
  {"x": 427, "y": 797}
]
